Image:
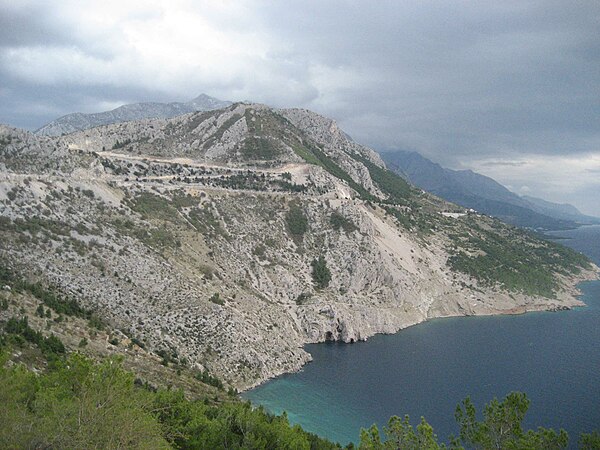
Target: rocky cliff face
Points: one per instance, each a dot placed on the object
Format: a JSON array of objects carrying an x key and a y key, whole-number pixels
[{"x": 198, "y": 235}]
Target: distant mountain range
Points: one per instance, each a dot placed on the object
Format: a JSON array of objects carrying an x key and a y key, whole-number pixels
[
  {"x": 136, "y": 111},
  {"x": 560, "y": 210},
  {"x": 473, "y": 190}
]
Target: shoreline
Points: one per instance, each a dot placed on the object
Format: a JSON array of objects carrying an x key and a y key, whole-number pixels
[{"x": 571, "y": 294}]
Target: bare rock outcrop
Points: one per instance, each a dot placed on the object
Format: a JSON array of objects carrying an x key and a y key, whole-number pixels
[{"x": 198, "y": 235}]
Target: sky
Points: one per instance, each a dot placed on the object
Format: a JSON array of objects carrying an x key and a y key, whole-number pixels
[{"x": 510, "y": 89}]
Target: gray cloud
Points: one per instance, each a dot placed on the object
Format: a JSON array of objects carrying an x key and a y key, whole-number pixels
[
  {"x": 25, "y": 26},
  {"x": 504, "y": 163},
  {"x": 457, "y": 81}
]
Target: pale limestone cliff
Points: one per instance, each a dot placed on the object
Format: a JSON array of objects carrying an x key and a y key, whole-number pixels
[{"x": 178, "y": 232}]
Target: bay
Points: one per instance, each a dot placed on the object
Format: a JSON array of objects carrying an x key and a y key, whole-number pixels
[{"x": 427, "y": 369}]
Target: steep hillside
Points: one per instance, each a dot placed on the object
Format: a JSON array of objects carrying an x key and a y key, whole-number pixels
[
  {"x": 476, "y": 191},
  {"x": 230, "y": 238},
  {"x": 136, "y": 111}
]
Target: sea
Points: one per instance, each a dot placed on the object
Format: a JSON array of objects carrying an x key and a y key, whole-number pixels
[{"x": 427, "y": 369}]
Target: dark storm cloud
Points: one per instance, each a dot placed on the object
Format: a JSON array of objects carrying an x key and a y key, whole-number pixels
[
  {"x": 464, "y": 83},
  {"x": 25, "y": 26},
  {"x": 463, "y": 78}
]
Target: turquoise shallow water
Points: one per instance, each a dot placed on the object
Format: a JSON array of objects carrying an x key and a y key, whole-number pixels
[{"x": 427, "y": 369}]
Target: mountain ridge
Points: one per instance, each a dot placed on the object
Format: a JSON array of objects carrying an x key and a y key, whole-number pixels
[
  {"x": 231, "y": 238},
  {"x": 74, "y": 122},
  {"x": 565, "y": 211},
  {"x": 473, "y": 190}
]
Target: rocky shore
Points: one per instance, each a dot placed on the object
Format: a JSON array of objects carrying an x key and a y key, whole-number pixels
[{"x": 199, "y": 235}]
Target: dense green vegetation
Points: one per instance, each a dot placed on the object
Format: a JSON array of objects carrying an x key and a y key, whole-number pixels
[
  {"x": 75, "y": 405},
  {"x": 81, "y": 404},
  {"x": 17, "y": 329},
  {"x": 304, "y": 153},
  {"x": 35, "y": 225},
  {"x": 338, "y": 221},
  {"x": 512, "y": 258},
  {"x": 263, "y": 148},
  {"x": 590, "y": 441},
  {"x": 516, "y": 260},
  {"x": 398, "y": 190},
  {"x": 296, "y": 222},
  {"x": 501, "y": 426},
  {"x": 400, "y": 201},
  {"x": 209, "y": 379},
  {"x": 74, "y": 402},
  {"x": 321, "y": 274},
  {"x": 314, "y": 155},
  {"x": 153, "y": 206}
]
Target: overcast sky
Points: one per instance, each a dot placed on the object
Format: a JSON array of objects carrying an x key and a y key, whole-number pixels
[{"x": 508, "y": 88}]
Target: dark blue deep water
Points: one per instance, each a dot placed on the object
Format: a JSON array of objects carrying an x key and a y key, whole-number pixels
[{"x": 427, "y": 369}]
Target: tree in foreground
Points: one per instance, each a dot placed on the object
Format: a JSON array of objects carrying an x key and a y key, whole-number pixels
[
  {"x": 590, "y": 441},
  {"x": 80, "y": 404},
  {"x": 501, "y": 428},
  {"x": 400, "y": 435}
]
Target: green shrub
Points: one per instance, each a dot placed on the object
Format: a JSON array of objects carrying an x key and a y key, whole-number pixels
[
  {"x": 48, "y": 296},
  {"x": 207, "y": 378},
  {"x": 261, "y": 148},
  {"x": 50, "y": 346},
  {"x": 397, "y": 189},
  {"x": 122, "y": 144},
  {"x": 216, "y": 299},
  {"x": 77, "y": 403},
  {"x": 259, "y": 251},
  {"x": 338, "y": 221},
  {"x": 296, "y": 222},
  {"x": 154, "y": 207},
  {"x": 95, "y": 322},
  {"x": 320, "y": 272},
  {"x": 137, "y": 342},
  {"x": 302, "y": 298}
]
